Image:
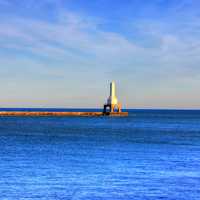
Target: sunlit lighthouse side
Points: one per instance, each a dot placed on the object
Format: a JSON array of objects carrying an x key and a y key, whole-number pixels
[{"x": 112, "y": 104}]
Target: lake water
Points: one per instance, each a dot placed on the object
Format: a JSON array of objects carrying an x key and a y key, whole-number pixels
[{"x": 149, "y": 155}]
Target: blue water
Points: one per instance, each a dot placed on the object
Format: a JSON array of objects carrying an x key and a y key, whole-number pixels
[{"x": 149, "y": 155}]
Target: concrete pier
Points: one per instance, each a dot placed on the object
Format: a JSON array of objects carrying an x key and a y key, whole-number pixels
[{"x": 59, "y": 114}]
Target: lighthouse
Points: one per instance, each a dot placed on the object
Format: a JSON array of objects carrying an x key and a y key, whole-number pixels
[{"x": 112, "y": 104}]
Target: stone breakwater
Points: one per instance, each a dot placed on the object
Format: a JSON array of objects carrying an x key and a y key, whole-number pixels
[{"x": 44, "y": 113}]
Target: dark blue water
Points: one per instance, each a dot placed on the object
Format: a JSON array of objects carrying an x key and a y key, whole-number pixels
[{"x": 152, "y": 154}]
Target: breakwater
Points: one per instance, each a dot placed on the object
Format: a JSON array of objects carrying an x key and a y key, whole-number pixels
[{"x": 49, "y": 113}]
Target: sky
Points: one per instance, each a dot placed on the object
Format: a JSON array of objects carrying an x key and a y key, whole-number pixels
[{"x": 64, "y": 53}]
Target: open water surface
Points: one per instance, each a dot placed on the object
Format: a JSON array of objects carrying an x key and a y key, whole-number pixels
[{"x": 149, "y": 155}]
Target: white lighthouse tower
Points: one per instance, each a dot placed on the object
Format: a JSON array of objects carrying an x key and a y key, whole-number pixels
[
  {"x": 112, "y": 99},
  {"x": 112, "y": 102}
]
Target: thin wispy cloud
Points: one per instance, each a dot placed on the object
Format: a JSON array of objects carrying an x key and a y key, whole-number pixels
[{"x": 68, "y": 35}]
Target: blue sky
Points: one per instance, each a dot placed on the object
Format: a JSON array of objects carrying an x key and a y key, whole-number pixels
[{"x": 56, "y": 53}]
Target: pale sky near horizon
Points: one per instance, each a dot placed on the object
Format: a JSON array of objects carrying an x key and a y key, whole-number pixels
[{"x": 64, "y": 53}]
